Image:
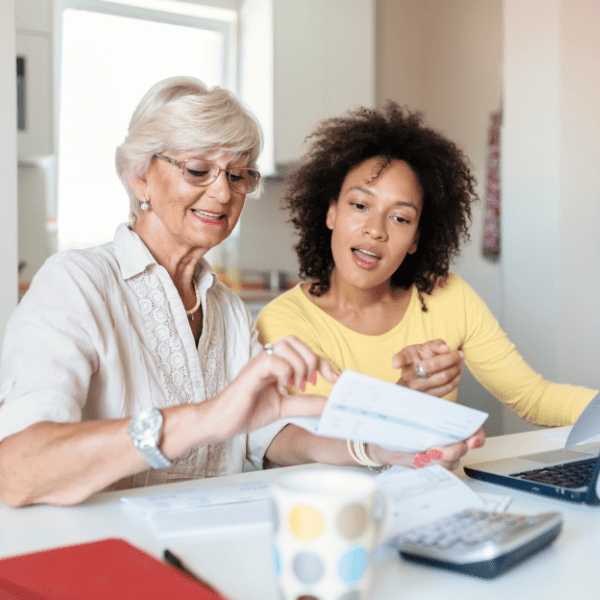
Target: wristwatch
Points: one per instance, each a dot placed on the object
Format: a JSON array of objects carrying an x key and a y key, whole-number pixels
[{"x": 145, "y": 430}]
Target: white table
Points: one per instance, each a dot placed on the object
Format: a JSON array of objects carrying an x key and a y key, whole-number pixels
[{"x": 240, "y": 566}]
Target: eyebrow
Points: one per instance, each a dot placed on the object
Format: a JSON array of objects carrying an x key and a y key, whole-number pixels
[{"x": 370, "y": 193}]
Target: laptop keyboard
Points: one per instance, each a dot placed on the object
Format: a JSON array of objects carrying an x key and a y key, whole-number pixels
[{"x": 571, "y": 475}]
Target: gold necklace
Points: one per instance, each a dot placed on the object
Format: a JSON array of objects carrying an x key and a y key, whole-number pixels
[{"x": 190, "y": 313}]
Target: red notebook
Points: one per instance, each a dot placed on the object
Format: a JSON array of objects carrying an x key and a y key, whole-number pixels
[{"x": 107, "y": 569}]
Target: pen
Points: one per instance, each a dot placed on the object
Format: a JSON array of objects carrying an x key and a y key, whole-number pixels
[{"x": 175, "y": 562}]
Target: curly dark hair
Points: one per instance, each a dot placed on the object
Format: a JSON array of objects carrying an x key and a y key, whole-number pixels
[{"x": 342, "y": 143}]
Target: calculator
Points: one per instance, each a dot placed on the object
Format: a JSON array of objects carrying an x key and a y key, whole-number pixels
[{"x": 477, "y": 542}]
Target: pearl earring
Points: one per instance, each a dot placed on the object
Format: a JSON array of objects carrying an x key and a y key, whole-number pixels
[{"x": 144, "y": 205}]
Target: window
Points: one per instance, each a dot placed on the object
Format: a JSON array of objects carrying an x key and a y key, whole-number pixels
[{"x": 109, "y": 54}]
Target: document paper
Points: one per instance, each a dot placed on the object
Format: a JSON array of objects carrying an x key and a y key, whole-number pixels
[
  {"x": 367, "y": 409},
  {"x": 213, "y": 511},
  {"x": 200, "y": 498},
  {"x": 414, "y": 497}
]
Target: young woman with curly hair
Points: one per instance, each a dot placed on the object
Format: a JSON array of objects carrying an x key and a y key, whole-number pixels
[{"x": 381, "y": 203}]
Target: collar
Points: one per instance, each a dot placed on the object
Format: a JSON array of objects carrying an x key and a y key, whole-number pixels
[{"x": 134, "y": 258}]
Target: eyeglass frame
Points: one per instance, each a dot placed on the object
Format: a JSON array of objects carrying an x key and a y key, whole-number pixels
[{"x": 181, "y": 165}]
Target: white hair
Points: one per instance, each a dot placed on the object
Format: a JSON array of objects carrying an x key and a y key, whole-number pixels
[{"x": 181, "y": 114}]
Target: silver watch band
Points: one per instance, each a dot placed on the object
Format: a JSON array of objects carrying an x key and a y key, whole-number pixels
[{"x": 155, "y": 457}]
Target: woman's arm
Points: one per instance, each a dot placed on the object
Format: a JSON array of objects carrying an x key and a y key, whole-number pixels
[
  {"x": 63, "y": 463},
  {"x": 498, "y": 366},
  {"x": 294, "y": 445}
]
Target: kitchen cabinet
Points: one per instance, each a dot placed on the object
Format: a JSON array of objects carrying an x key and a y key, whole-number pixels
[
  {"x": 303, "y": 61},
  {"x": 34, "y": 16}
]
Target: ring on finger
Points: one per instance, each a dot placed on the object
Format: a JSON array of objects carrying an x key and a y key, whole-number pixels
[
  {"x": 268, "y": 348},
  {"x": 420, "y": 371}
]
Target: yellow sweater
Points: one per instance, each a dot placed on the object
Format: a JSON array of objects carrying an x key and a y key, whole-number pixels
[{"x": 456, "y": 315}]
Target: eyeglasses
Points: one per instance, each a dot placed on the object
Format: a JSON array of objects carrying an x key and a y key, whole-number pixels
[{"x": 201, "y": 172}]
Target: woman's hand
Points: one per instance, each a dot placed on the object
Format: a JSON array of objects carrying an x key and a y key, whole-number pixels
[
  {"x": 434, "y": 358},
  {"x": 447, "y": 456},
  {"x": 254, "y": 398}
]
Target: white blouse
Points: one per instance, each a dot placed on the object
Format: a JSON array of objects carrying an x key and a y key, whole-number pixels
[{"x": 102, "y": 333}]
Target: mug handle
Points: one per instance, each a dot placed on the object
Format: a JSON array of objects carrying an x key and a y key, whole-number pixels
[{"x": 381, "y": 512}]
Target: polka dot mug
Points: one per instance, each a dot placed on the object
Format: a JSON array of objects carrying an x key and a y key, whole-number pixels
[{"x": 326, "y": 524}]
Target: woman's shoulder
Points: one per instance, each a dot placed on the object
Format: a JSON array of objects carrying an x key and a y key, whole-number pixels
[
  {"x": 452, "y": 293},
  {"x": 88, "y": 263},
  {"x": 448, "y": 290},
  {"x": 449, "y": 284},
  {"x": 290, "y": 312},
  {"x": 225, "y": 295},
  {"x": 70, "y": 280},
  {"x": 292, "y": 302}
]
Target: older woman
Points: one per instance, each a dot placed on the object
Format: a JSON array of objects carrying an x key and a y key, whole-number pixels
[
  {"x": 381, "y": 203},
  {"x": 131, "y": 355}
]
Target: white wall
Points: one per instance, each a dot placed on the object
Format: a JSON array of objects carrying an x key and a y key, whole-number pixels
[
  {"x": 401, "y": 52},
  {"x": 8, "y": 165},
  {"x": 550, "y": 169},
  {"x": 530, "y": 181},
  {"x": 578, "y": 340}
]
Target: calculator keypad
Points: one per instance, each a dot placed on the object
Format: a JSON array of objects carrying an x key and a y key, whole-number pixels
[
  {"x": 468, "y": 529},
  {"x": 479, "y": 543}
]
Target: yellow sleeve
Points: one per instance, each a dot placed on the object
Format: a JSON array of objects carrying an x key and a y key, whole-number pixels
[
  {"x": 285, "y": 316},
  {"x": 496, "y": 364}
]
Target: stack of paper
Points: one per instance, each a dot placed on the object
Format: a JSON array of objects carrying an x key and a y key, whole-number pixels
[
  {"x": 205, "y": 512},
  {"x": 414, "y": 497}
]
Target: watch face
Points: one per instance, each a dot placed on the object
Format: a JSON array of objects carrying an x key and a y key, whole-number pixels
[{"x": 147, "y": 421}]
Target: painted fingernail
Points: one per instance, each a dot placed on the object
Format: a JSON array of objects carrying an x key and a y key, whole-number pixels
[
  {"x": 475, "y": 444},
  {"x": 424, "y": 458},
  {"x": 313, "y": 378},
  {"x": 302, "y": 385},
  {"x": 291, "y": 382},
  {"x": 417, "y": 463},
  {"x": 435, "y": 454}
]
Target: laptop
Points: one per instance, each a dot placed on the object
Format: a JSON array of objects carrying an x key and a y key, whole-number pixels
[{"x": 571, "y": 474}]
